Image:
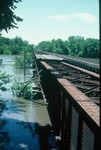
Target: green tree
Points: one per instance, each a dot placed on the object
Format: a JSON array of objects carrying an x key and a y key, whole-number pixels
[
  {"x": 8, "y": 19},
  {"x": 6, "y": 49},
  {"x": 21, "y": 90},
  {"x": 92, "y": 48},
  {"x": 44, "y": 46},
  {"x": 25, "y": 60},
  {"x": 76, "y": 45},
  {"x": 59, "y": 46},
  {"x": 15, "y": 46},
  {"x": 4, "y": 79},
  {"x": 5, "y": 44}
]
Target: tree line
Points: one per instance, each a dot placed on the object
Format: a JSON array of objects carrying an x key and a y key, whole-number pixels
[
  {"x": 74, "y": 46},
  {"x": 15, "y": 46}
]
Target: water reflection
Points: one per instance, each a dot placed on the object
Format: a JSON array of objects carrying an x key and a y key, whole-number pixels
[
  {"x": 46, "y": 137},
  {"x": 25, "y": 126}
]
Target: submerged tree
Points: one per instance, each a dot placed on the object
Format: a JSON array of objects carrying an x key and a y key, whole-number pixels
[
  {"x": 8, "y": 19},
  {"x": 4, "y": 79},
  {"x": 21, "y": 89}
]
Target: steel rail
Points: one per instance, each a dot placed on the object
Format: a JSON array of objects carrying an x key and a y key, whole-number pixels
[
  {"x": 90, "y": 73},
  {"x": 82, "y": 80}
]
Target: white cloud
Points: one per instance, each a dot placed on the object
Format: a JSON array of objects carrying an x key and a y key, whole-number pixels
[
  {"x": 80, "y": 16},
  {"x": 85, "y": 17},
  {"x": 59, "y": 17}
]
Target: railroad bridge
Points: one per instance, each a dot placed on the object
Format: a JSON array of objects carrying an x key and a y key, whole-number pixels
[{"x": 71, "y": 88}]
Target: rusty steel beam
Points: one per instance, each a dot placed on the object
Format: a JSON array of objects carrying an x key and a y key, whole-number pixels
[
  {"x": 78, "y": 98},
  {"x": 90, "y": 73},
  {"x": 89, "y": 81},
  {"x": 82, "y": 86},
  {"x": 81, "y": 80}
]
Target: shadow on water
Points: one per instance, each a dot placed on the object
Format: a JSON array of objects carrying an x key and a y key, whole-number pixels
[
  {"x": 41, "y": 138},
  {"x": 46, "y": 137}
]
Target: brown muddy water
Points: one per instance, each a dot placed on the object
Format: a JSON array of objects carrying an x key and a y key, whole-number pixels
[{"x": 24, "y": 123}]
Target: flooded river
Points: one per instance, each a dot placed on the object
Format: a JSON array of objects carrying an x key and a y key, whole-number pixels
[{"x": 24, "y": 124}]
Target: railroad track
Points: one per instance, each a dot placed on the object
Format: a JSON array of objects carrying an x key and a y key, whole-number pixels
[
  {"x": 70, "y": 68},
  {"x": 87, "y": 63},
  {"x": 86, "y": 81}
]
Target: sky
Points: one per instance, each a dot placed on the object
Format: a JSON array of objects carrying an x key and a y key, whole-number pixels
[{"x": 44, "y": 20}]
